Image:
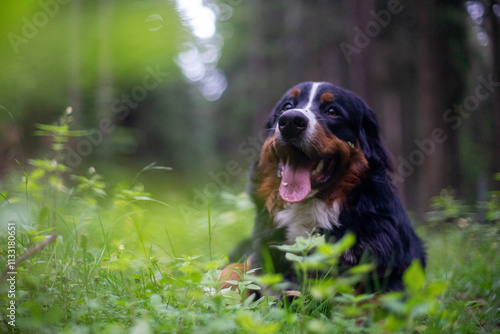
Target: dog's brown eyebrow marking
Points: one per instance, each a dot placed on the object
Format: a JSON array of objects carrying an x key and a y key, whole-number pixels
[
  {"x": 327, "y": 97},
  {"x": 295, "y": 92}
]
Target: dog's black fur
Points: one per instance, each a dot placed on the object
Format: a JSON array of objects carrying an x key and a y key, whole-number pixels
[{"x": 356, "y": 177}]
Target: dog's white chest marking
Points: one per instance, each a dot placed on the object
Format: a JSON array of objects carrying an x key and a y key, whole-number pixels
[{"x": 302, "y": 217}]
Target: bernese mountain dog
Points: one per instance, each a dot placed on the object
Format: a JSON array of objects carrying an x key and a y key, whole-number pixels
[{"x": 324, "y": 169}]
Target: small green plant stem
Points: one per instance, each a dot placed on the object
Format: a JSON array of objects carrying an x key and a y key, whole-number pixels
[
  {"x": 209, "y": 232},
  {"x": 171, "y": 245}
]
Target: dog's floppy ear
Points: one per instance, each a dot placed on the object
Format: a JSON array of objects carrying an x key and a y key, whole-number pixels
[
  {"x": 370, "y": 142},
  {"x": 270, "y": 122}
]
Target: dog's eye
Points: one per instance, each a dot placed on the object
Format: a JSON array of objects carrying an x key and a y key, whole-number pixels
[
  {"x": 332, "y": 111},
  {"x": 287, "y": 107}
]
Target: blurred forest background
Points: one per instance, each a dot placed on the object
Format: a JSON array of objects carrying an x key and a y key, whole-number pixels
[{"x": 189, "y": 83}]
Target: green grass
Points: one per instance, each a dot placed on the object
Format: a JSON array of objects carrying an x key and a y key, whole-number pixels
[
  {"x": 468, "y": 259},
  {"x": 125, "y": 262}
]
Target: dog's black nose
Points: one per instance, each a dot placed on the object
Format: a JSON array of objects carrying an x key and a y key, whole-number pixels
[{"x": 292, "y": 123}]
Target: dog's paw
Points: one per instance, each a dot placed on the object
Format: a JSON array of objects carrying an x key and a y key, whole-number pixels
[{"x": 233, "y": 272}]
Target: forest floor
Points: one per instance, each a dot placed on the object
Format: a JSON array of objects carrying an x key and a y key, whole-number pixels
[{"x": 133, "y": 264}]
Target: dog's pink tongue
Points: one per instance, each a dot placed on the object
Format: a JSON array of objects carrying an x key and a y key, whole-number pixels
[{"x": 295, "y": 183}]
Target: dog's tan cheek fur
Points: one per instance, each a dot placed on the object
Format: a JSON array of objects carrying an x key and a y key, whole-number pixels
[
  {"x": 267, "y": 176},
  {"x": 353, "y": 165}
]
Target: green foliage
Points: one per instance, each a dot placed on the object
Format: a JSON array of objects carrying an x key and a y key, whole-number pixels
[
  {"x": 121, "y": 264},
  {"x": 493, "y": 204},
  {"x": 334, "y": 296},
  {"x": 447, "y": 207},
  {"x": 59, "y": 132}
]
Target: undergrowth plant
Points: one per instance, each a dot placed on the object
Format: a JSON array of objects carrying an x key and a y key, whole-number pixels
[{"x": 103, "y": 259}]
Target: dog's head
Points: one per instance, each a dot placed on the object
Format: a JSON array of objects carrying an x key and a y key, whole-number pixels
[{"x": 322, "y": 139}]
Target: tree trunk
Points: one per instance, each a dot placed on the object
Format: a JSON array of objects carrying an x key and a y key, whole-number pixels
[
  {"x": 441, "y": 85},
  {"x": 74, "y": 84},
  {"x": 104, "y": 92},
  {"x": 494, "y": 36},
  {"x": 105, "y": 78},
  {"x": 360, "y": 67}
]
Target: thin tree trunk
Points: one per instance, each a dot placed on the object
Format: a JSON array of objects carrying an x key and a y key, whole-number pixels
[
  {"x": 257, "y": 62},
  {"x": 494, "y": 36},
  {"x": 432, "y": 173},
  {"x": 105, "y": 79},
  {"x": 359, "y": 68},
  {"x": 105, "y": 92},
  {"x": 74, "y": 90},
  {"x": 441, "y": 85}
]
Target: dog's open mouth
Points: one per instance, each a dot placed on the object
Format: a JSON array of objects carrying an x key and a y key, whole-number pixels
[{"x": 300, "y": 174}]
